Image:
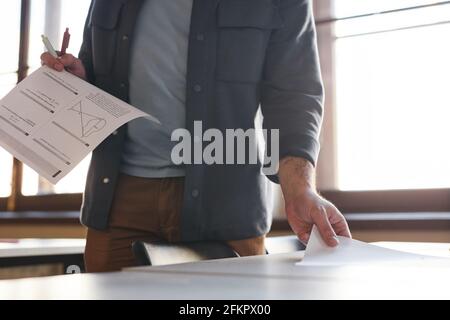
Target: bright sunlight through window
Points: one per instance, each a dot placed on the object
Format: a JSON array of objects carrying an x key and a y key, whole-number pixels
[{"x": 393, "y": 99}]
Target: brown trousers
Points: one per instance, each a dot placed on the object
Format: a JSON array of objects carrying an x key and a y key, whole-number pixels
[{"x": 147, "y": 210}]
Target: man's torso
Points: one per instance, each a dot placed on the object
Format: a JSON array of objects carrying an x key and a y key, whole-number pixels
[{"x": 157, "y": 86}]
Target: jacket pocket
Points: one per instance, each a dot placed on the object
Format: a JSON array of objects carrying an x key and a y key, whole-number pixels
[
  {"x": 104, "y": 22},
  {"x": 244, "y": 28}
]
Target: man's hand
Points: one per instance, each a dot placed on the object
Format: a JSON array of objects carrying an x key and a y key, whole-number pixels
[
  {"x": 305, "y": 207},
  {"x": 67, "y": 61}
]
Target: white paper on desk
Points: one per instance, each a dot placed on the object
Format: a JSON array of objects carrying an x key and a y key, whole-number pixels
[
  {"x": 353, "y": 252},
  {"x": 52, "y": 120}
]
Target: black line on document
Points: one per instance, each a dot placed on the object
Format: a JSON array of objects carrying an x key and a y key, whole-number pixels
[
  {"x": 60, "y": 83},
  {"x": 52, "y": 152},
  {"x": 35, "y": 100},
  {"x": 57, "y": 174},
  {"x": 14, "y": 126},
  {"x": 71, "y": 134},
  {"x": 24, "y": 151}
]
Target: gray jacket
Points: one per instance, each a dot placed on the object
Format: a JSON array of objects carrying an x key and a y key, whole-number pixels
[{"x": 242, "y": 54}]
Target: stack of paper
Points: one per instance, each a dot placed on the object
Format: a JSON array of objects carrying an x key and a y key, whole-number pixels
[{"x": 353, "y": 252}]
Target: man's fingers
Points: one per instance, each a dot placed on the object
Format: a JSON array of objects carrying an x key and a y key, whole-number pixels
[
  {"x": 320, "y": 218},
  {"x": 338, "y": 222},
  {"x": 304, "y": 238},
  {"x": 67, "y": 60},
  {"x": 52, "y": 62},
  {"x": 48, "y": 59},
  {"x": 341, "y": 228}
]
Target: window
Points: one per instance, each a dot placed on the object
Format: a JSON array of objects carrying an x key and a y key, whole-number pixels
[
  {"x": 51, "y": 17},
  {"x": 386, "y": 72},
  {"x": 33, "y": 18},
  {"x": 392, "y": 103},
  {"x": 7, "y": 82},
  {"x": 10, "y": 15}
]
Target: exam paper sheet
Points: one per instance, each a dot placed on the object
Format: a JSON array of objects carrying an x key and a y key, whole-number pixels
[
  {"x": 354, "y": 252},
  {"x": 52, "y": 120}
]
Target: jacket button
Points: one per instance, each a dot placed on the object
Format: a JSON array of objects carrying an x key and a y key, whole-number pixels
[
  {"x": 123, "y": 85},
  {"x": 106, "y": 181},
  {"x": 198, "y": 88},
  {"x": 125, "y": 37},
  {"x": 200, "y": 37},
  {"x": 195, "y": 193},
  {"x": 115, "y": 133}
]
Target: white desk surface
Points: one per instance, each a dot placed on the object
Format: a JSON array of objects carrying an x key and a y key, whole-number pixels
[
  {"x": 40, "y": 247},
  {"x": 424, "y": 248},
  {"x": 264, "y": 277},
  {"x": 282, "y": 265}
]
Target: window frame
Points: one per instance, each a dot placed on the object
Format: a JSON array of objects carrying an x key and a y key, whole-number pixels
[
  {"x": 22, "y": 71},
  {"x": 422, "y": 200},
  {"x": 381, "y": 201},
  {"x": 17, "y": 201}
]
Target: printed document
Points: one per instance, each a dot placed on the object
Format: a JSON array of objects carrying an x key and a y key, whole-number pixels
[
  {"x": 353, "y": 252},
  {"x": 52, "y": 120}
]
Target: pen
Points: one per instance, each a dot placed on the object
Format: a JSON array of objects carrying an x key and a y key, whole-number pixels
[
  {"x": 49, "y": 46},
  {"x": 65, "y": 43}
]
